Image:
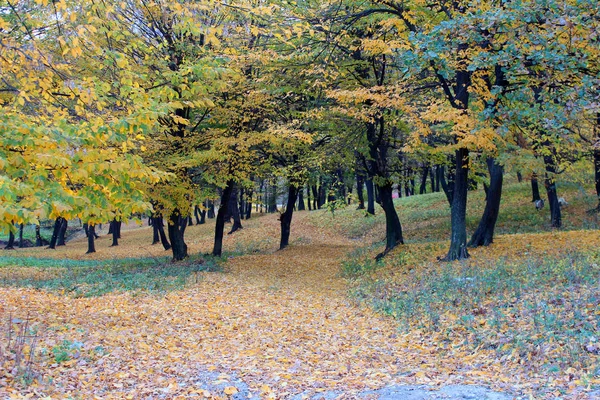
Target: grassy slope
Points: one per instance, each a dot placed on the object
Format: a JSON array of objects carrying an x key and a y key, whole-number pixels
[{"x": 530, "y": 299}]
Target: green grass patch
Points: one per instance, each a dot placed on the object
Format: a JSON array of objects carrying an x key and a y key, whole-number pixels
[{"x": 95, "y": 278}]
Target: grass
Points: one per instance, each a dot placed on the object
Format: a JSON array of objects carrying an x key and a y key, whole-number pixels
[
  {"x": 85, "y": 278},
  {"x": 538, "y": 310}
]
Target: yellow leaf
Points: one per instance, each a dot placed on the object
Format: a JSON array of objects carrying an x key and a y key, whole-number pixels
[{"x": 230, "y": 390}]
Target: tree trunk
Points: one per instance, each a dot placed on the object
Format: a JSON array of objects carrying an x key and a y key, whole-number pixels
[
  {"x": 286, "y": 217},
  {"x": 21, "y": 226},
  {"x": 597, "y": 175},
  {"x": 447, "y": 187},
  {"x": 458, "y": 238},
  {"x": 11, "y": 241},
  {"x": 432, "y": 174},
  {"x": 315, "y": 193},
  {"x": 535, "y": 189},
  {"x": 220, "y": 223},
  {"x": 38, "y": 237},
  {"x": 234, "y": 211},
  {"x": 197, "y": 214},
  {"x": 242, "y": 204},
  {"x": 62, "y": 232},
  {"x": 176, "y": 225},
  {"x": 55, "y": 233},
  {"x": 301, "y": 206},
  {"x": 393, "y": 229},
  {"x": 115, "y": 232},
  {"x": 519, "y": 177},
  {"x": 484, "y": 235},
  {"x": 211, "y": 209},
  {"x": 158, "y": 222},
  {"x": 91, "y": 238},
  {"x": 370, "y": 196},
  {"x": 309, "y": 197},
  {"x": 202, "y": 217},
  {"x": 550, "y": 184},
  {"x": 155, "y": 236},
  {"x": 249, "y": 203},
  {"x": 359, "y": 191}
]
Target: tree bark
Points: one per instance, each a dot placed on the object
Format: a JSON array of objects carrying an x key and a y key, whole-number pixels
[
  {"x": 197, "y": 214},
  {"x": 484, "y": 234},
  {"x": 62, "y": 232},
  {"x": 393, "y": 229},
  {"x": 315, "y": 192},
  {"x": 91, "y": 238},
  {"x": 550, "y": 184},
  {"x": 535, "y": 188},
  {"x": 55, "y": 232},
  {"x": 248, "y": 210},
  {"x": 309, "y": 197},
  {"x": 458, "y": 238},
  {"x": 21, "y": 226},
  {"x": 155, "y": 236},
  {"x": 359, "y": 191},
  {"x": 597, "y": 175},
  {"x": 220, "y": 223},
  {"x": 115, "y": 232},
  {"x": 11, "y": 241},
  {"x": 301, "y": 206},
  {"x": 176, "y": 228},
  {"x": 210, "y": 213},
  {"x": 234, "y": 211},
  {"x": 38, "y": 237},
  {"x": 370, "y": 196},
  {"x": 286, "y": 217},
  {"x": 158, "y": 223}
]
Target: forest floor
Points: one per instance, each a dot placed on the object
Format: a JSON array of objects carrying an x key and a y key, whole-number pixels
[{"x": 282, "y": 324}]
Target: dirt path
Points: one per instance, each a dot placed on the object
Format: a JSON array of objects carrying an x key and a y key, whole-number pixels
[{"x": 273, "y": 325}]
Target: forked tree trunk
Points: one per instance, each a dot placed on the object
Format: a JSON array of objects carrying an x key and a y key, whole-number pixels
[
  {"x": 458, "y": 238},
  {"x": 286, "y": 217},
  {"x": 158, "y": 223},
  {"x": 176, "y": 228},
  {"x": 484, "y": 234},
  {"x": 220, "y": 223},
  {"x": 91, "y": 237},
  {"x": 393, "y": 229}
]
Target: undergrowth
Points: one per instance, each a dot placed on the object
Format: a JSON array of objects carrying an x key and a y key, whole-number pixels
[{"x": 540, "y": 310}]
